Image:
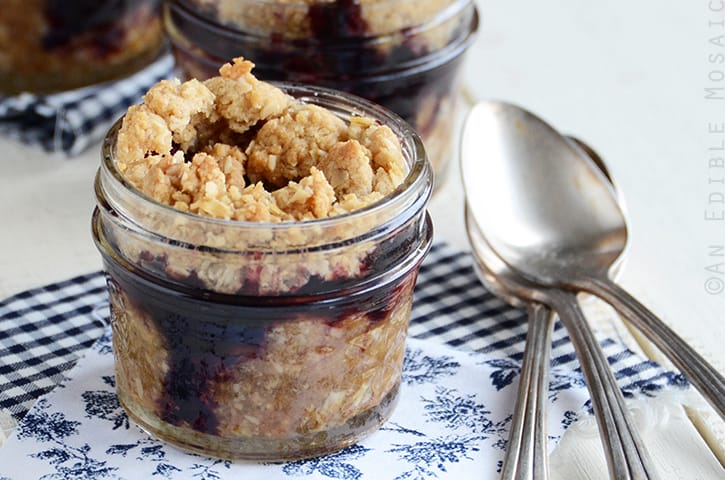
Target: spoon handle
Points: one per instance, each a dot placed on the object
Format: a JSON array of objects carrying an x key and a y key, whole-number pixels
[
  {"x": 545, "y": 319},
  {"x": 626, "y": 454},
  {"x": 526, "y": 454},
  {"x": 698, "y": 371}
]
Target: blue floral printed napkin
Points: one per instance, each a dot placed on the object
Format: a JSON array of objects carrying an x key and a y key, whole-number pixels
[{"x": 69, "y": 122}]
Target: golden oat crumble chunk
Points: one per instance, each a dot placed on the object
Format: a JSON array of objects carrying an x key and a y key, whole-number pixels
[
  {"x": 255, "y": 204},
  {"x": 144, "y": 133},
  {"x": 237, "y": 148},
  {"x": 286, "y": 147},
  {"x": 183, "y": 106},
  {"x": 385, "y": 150},
  {"x": 347, "y": 166},
  {"x": 311, "y": 198},
  {"x": 242, "y": 100}
]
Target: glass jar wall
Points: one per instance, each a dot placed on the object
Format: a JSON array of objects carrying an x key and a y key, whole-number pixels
[{"x": 263, "y": 340}]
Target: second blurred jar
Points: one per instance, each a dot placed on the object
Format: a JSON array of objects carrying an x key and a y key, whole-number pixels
[
  {"x": 403, "y": 54},
  {"x": 54, "y": 45}
]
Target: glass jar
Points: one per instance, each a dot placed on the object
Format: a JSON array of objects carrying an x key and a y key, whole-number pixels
[
  {"x": 266, "y": 341},
  {"x": 54, "y": 45},
  {"x": 403, "y": 54}
]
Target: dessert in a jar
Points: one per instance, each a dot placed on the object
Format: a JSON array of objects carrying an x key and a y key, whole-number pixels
[
  {"x": 405, "y": 55},
  {"x": 261, "y": 245},
  {"x": 53, "y": 45}
]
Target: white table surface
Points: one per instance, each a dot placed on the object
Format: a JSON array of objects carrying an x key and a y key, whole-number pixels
[{"x": 628, "y": 77}]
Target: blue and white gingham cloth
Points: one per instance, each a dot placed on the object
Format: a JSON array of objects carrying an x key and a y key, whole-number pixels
[{"x": 69, "y": 122}]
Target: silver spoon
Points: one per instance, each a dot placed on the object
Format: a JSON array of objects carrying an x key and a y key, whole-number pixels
[
  {"x": 626, "y": 457},
  {"x": 558, "y": 223},
  {"x": 526, "y": 453}
]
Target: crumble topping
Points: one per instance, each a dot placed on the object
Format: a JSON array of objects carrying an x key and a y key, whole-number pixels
[{"x": 237, "y": 148}]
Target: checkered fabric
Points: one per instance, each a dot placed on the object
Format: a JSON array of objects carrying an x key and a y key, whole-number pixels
[
  {"x": 68, "y": 122},
  {"x": 42, "y": 334},
  {"x": 44, "y": 331}
]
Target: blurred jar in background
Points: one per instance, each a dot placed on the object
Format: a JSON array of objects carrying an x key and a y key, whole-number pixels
[
  {"x": 53, "y": 45},
  {"x": 403, "y": 54}
]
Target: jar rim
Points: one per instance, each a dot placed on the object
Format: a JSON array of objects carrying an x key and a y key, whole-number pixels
[{"x": 411, "y": 194}]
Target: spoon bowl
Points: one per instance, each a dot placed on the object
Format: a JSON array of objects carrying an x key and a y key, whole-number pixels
[{"x": 555, "y": 214}]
